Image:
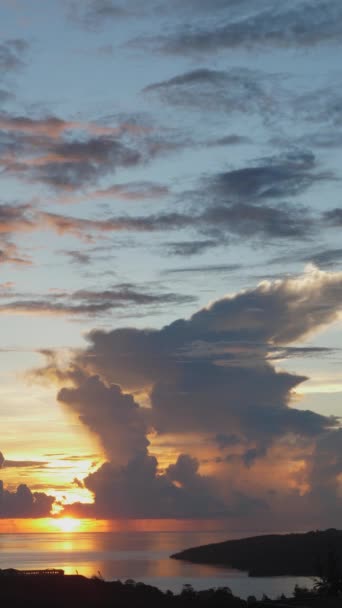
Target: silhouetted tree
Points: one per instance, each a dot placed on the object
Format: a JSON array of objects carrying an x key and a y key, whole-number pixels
[{"x": 329, "y": 580}]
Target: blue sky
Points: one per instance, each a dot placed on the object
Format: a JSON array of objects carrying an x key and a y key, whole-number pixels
[{"x": 172, "y": 168}]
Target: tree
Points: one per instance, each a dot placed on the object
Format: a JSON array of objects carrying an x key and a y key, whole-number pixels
[{"x": 329, "y": 580}]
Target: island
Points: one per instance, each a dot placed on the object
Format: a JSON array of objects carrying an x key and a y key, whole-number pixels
[{"x": 305, "y": 554}]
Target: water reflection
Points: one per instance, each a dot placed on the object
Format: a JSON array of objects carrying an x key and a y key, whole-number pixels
[{"x": 142, "y": 556}]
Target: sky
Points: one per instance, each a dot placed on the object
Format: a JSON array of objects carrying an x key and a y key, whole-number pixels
[{"x": 171, "y": 262}]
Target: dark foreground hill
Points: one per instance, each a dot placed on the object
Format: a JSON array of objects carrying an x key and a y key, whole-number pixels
[
  {"x": 74, "y": 591},
  {"x": 272, "y": 555}
]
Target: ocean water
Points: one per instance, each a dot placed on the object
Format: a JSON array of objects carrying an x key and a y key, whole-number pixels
[{"x": 142, "y": 556}]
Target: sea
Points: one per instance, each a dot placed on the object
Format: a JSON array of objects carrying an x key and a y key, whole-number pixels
[{"x": 141, "y": 556}]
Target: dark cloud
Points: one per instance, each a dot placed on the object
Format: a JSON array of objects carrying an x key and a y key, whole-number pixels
[
  {"x": 189, "y": 248},
  {"x": 81, "y": 227},
  {"x": 23, "y": 503},
  {"x": 236, "y": 90},
  {"x": 254, "y": 28},
  {"x": 14, "y": 464},
  {"x": 137, "y": 490},
  {"x": 271, "y": 179},
  {"x": 6, "y": 96},
  {"x": 88, "y": 302},
  {"x": 15, "y": 218},
  {"x": 78, "y": 163},
  {"x": 260, "y": 220},
  {"x": 210, "y": 375},
  {"x": 12, "y": 53},
  {"x": 323, "y": 258},
  {"x": 93, "y": 13},
  {"x": 67, "y": 155},
  {"x": 322, "y": 105},
  {"x": 333, "y": 217},
  {"x": 218, "y": 220},
  {"x": 133, "y": 191},
  {"x": 229, "y": 140},
  {"x": 243, "y": 202},
  {"x": 117, "y": 420},
  {"x": 79, "y": 257},
  {"x": 218, "y": 268},
  {"x": 9, "y": 254}
]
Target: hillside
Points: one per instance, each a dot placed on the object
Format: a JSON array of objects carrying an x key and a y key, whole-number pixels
[{"x": 271, "y": 555}]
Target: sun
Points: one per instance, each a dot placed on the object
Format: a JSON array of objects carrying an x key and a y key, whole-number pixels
[{"x": 68, "y": 524}]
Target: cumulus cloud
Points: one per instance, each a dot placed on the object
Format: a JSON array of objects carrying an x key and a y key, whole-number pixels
[
  {"x": 117, "y": 419},
  {"x": 137, "y": 490},
  {"x": 23, "y": 503},
  {"x": 210, "y": 375}
]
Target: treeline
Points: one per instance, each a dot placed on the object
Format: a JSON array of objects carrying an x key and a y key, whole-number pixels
[
  {"x": 79, "y": 592},
  {"x": 74, "y": 591},
  {"x": 271, "y": 555}
]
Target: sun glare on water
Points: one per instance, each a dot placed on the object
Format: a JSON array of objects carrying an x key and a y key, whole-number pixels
[{"x": 67, "y": 524}]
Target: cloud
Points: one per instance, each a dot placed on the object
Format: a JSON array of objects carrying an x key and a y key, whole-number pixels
[
  {"x": 218, "y": 220},
  {"x": 243, "y": 202},
  {"x": 322, "y": 258},
  {"x": 73, "y": 164},
  {"x": 12, "y": 53},
  {"x": 137, "y": 490},
  {"x": 9, "y": 254},
  {"x": 53, "y": 127},
  {"x": 260, "y": 220},
  {"x": 229, "y": 140},
  {"x": 14, "y": 464},
  {"x": 272, "y": 178},
  {"x": 255, "y": 27},
  {"x": 93, "y": 13},
  {"x": 188, "y": 248},
  {"x": 79, "y": 257},
  {"x": 67, "y": 155},
  {"x": 6, "y": 96},
  {"x": 81, "y": 227},
  {"x": 218, "y": 268},
  {"x": 23, "y": 503},
  {"x": 237, "y": 90},
  {"x": 117, "y": 420},
  {"x": 88, "y": 302},
  {"x": 133, "y": 191},
  {"x": 333, "y": 217},
  {"x": 14, "y": 218},
  {"x": 209, "y": 376}
]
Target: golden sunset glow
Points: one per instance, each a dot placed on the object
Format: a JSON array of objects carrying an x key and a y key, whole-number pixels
[{"x": 68, "y": 524}]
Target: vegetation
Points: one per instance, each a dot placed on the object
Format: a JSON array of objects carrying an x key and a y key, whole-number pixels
[
  {"x": 77, "y": 591},
  {"x": 74, "y": 591},
  {"x": 272, "y": 555}
]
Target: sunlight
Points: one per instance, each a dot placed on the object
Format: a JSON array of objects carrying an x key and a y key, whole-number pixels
[{"x": 67, "y": 524}]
